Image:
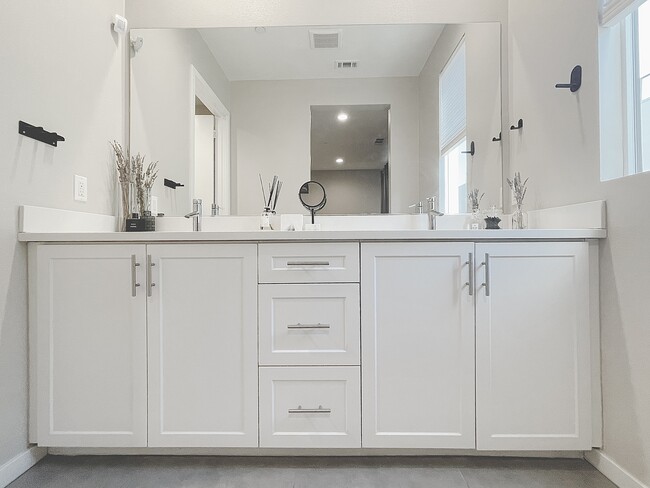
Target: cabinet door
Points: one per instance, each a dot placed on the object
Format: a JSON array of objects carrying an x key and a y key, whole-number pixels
[
  {"x": 417, "y": 324},
  {"x": 203, "y": 345},
  {"x": 91, "y": 345},
  {"x": 532, "y": 350}
]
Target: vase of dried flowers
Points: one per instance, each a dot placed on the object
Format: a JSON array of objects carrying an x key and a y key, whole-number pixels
[
  {"x": 519, "y": 217},
  {"x": 124, "y": 175},
  {"x": 144, "y": 180},
  {"x": 475, "y": 221},
  {"x": 135, "y": 183}
]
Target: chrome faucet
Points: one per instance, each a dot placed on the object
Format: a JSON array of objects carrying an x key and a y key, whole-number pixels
[
  {"x": 433, "y": 213},
  {"x": 196, "y": 214}
]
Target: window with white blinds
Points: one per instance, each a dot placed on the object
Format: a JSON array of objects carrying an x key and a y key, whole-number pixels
[
  {"x": 453, "y": 100},
  {"x": 613, "y": 11}
]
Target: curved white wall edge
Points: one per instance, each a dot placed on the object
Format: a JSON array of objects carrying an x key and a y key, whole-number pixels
[
  {"x": 16, "y": 466},
  {"x": 612, "y": 470}
]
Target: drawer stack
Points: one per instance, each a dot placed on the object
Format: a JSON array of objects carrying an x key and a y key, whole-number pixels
[{"x": 309, "y": 353}]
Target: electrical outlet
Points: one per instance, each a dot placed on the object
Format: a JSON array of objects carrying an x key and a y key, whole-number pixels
[{"x": 80, "y": 188}]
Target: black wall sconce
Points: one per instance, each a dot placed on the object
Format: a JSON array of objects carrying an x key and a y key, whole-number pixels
[
  {"x": 519, "y": 126},
  {"x": 472, "y": 149},
  {"x": 39, "y": 134},
  {"x": 576, "y": 80}
]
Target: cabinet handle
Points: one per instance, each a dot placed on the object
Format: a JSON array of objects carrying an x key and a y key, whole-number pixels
[
  {"x": 308, "y": 263},
  {"x": 470, "y": 283},
  {"x": 150, "y": 283},
  {"x": 308, "y": 326},
  {"x": 486, "y": 284},
  {"x": 134, "y": 278},
  {"x": 320, "y": 409}
]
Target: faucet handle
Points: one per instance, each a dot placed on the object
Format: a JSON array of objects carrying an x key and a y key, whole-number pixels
[{"x": 418, "y": 205}]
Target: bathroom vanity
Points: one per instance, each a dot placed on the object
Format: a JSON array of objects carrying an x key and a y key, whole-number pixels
[{"x": 371, "y": 339}]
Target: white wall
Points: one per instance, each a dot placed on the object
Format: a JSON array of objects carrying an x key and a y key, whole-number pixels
[
  {"x": 483, "y": 67},
  {"x": 69, "y": 80},
  {"x": 162, "y": 108},
  {"x": 270, "y": 131},
  {"x": 559, "y": 150},
  {"x": 351, "y": 191}
]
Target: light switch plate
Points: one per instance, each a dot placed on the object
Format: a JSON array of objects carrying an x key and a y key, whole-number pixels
[{"x": 80, "y": 188}]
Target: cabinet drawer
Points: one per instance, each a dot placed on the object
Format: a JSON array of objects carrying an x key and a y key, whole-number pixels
[
  {"x": 310, "y": 407},
  {"x": 309, "y": 324},
  {"x": 309, "y": 262}
]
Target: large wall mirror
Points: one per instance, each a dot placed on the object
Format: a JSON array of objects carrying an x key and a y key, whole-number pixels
[{"x": 219, "y": 107}]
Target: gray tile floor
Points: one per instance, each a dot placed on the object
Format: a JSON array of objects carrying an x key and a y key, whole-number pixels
[{"x": 333, "y": 472}]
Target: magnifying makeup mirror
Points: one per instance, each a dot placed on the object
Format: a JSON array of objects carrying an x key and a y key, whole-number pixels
[{"x": 313, "y": 197}]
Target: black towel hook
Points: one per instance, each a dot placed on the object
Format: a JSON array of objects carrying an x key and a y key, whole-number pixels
[
  {"x": 172, "y": 184},
  {"x": 520, "y": 125},
  {"x": 576, "y": 80},
  {"x": 39, "y": 134},
  {"x": 472, "y": 149},
  {"x": 497, "y": 139}
]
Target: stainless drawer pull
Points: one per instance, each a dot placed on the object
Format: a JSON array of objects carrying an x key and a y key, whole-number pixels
[
  {"x": 308, "y": 263},
  {"x": 486, "y": 284},
  {"x": 150, "y": 283},
  {"x": 134, "y": 284},
  {"x": 470, "y": 283},
  {"x": 320, "y": 409},
  {"x": 308, "y": 326}
]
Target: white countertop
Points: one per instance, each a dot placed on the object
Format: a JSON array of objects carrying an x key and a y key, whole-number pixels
[{"x": 331, "y": 235}]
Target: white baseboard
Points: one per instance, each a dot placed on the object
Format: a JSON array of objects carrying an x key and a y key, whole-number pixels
[
  {"x": 16, "y": 466},
  {"x": 612, "y": 470}
]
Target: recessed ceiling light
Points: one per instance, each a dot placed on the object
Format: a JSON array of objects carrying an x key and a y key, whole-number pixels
[
  {"x": 342, "y": 116},
  {"x": 260, "y": 30},
  {"x": 339, "y": 160}
]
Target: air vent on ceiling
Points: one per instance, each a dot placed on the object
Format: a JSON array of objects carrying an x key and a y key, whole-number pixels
[
  {"x": 325, "y": 38},
  {"x": 346, "y": 64},
  {"x": 380, "y": 140}
]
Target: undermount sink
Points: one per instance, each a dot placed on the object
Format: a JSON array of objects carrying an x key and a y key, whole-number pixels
[{"x": 327, "y": 223}]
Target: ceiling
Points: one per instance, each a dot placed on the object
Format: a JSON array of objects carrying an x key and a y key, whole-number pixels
[
  {"x": 285, "y": 53},
  {"x": 353, "y": 140}
]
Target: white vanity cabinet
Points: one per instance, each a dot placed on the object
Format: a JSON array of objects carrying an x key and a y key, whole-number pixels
[
  {"x": 533, "y": 371},
  {"x": 417, "y": 324},
  {"x": 89, "y": 351},
  {"x": 202, "y": 325},
  {"x": 531, "y": 310},
  {"x": 405, "y": 344},
  {"x": 309, "y": 345},
  {"x": 144, "y": 345}
]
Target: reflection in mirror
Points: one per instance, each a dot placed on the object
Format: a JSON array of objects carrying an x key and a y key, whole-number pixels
[
  {"x": 350, "y": 149},
  {"x": 205, "y": 184},
  {"x": 277, "y": 81}
]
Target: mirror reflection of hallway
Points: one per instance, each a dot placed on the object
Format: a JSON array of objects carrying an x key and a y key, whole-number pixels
[
  {"x": 350, "y": 156},
  {"x": 205, "y": 176}
]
